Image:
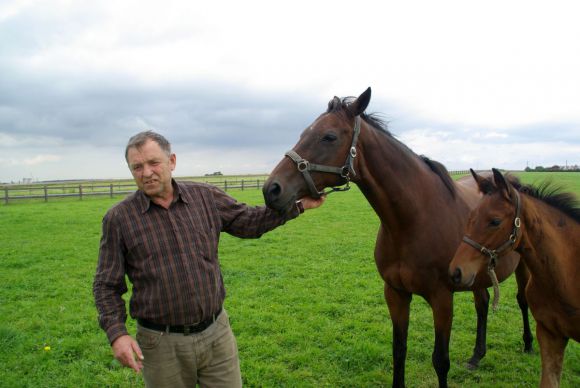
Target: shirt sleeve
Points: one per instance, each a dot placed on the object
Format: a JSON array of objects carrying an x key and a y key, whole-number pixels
[
  {"x": 242, "y": 220},
  {"x": 109, "y": 284}
]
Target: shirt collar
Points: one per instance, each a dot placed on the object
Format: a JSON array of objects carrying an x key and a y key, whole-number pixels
[{"x": 145, "y": 202}]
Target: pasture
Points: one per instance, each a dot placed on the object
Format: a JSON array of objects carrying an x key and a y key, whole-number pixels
[{"x": 305, "y": 302}]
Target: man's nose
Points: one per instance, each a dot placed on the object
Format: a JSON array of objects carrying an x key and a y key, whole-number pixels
[{"x": 147, "y": 171}]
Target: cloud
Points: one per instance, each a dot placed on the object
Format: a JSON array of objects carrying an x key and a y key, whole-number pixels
[
  {"x": 41, "y": 159},
  {"x": 79, "y": 78}
]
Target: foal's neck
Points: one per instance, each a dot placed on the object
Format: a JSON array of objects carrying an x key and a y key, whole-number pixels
[{"x": 545, "y": 235}]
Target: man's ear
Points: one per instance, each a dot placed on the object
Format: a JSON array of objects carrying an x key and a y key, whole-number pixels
[{"x": 172, "y": 161}]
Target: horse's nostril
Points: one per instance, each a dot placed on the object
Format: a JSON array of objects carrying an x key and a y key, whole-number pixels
[
  {"x": 275, "y": 190},
  {"x": 456, "y": 276}
]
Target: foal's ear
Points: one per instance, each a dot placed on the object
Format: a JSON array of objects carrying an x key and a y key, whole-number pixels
[
  {"x": 359, "y": 105},
  {"x": 484, "y": 184},
  {"x": 502, "y": 184}
]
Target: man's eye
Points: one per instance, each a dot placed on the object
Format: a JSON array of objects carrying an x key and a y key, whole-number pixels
[{"x": 329, "y": 137}]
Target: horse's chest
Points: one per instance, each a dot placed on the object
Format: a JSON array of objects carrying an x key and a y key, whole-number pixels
[
  {"x": 406, "y": 266},
  {"x": 405, "y": 277}
]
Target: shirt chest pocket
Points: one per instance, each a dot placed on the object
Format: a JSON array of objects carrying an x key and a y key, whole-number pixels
[{"x": 206, "y": 243}]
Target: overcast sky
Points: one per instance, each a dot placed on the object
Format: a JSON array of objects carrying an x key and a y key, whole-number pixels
[{"x": 232, "y": 84}]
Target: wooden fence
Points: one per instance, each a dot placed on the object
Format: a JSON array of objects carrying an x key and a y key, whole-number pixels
[
  {"x": 89, "y": 189},
  {"x": 44, "y": 192}
]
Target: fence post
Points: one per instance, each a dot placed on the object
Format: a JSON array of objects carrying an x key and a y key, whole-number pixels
[
  {"x": 258, "y": 183},
  {"x": 81, "y": 192},
  {"x": 45, "y": 194},
  {"x": 225, "y": 185},
  {"x": 242, "y": 184},
  {"x": 6, "y": 195},
  {"x": 111, "y": 190}
]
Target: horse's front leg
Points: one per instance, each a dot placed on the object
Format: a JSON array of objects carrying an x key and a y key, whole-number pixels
[
  {"x": 552, "y": 346},
  {"x": 481, "y": 298},
  {"x": 442, "y": 305},
  {"x": 522, "y": 277},
  {"x": 399, "y": 307}
]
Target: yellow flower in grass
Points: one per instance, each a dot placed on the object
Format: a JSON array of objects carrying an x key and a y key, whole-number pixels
[{"x": 47, "y": 348}]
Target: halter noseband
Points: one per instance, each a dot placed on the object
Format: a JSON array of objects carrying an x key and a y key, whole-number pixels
[
  {"x": 304, "y": 166},
  {"x": 493, "y": 254}
]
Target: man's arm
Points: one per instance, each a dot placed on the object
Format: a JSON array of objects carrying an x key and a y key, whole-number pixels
[
  {"x": 109, "y": 284},
  {"x": 246, "y": 221}
]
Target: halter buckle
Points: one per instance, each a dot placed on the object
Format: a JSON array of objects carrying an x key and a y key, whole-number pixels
[
  {"x": 302, "y": 165},
  {"x": 517, "y": 222}
]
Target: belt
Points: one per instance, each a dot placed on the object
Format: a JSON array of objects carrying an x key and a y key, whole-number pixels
[{"x": 185, "y": 329}]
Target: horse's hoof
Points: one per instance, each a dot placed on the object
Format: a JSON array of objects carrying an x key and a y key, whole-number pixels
[{"x": 472, "y": 365}]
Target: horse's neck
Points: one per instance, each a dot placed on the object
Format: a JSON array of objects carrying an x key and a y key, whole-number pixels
[
  {"x": 546, "y": 235},
  {"x": 397, "y": 183}
]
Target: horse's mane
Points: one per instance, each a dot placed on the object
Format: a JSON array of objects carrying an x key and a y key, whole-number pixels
[
  {"x": 376, "y": 121},
  {"x": 440, "y": 170},
  {"x": 551, "y": 194}
]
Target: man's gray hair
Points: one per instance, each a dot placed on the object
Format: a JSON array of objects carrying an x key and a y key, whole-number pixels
[{"x": 141, "y": 138}]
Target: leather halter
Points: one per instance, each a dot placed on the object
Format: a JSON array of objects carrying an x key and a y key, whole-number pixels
[
  {"x": 304, "y": 166},
  {"x": 493, "y": 254}
]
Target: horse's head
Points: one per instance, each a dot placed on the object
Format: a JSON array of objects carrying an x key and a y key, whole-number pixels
[
  {"x": 492, "y": 229},
  {"x": 325, "y": 155}
]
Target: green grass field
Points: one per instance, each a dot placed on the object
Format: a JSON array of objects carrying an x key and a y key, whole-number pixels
[{"x": 305, "y": 302}]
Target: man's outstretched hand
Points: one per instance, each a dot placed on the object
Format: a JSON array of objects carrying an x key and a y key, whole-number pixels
[{"x": 312, "y": 203}]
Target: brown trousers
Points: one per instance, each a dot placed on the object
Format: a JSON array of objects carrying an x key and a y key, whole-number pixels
[{"x": 209, "y": 358}]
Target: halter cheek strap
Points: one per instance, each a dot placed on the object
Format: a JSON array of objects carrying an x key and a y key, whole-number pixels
[{"x": 305, "y": 167}]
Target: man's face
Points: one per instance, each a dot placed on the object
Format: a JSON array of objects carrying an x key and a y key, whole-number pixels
[{"x": 151, "y": 168}]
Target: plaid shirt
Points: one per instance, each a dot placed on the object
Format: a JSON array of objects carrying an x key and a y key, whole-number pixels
[{"x": 170, "y": 255}]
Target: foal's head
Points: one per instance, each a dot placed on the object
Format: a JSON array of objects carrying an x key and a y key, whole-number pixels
[
  {"x": 490, "y": 228},
  {"x": 325, "y": 155}
]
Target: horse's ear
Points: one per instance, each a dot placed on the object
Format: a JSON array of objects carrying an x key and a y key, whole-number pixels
[
  {"x": 484, "y": 184},
  {"x": 501, "y": 183},
  {"x": 334, "y": 104},
  {"x": 359, "y": 105}
]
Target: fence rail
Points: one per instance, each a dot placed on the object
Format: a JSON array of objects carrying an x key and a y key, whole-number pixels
[
  {"x": 90, "y": 189},
  {"x": 48, "y": 191}
]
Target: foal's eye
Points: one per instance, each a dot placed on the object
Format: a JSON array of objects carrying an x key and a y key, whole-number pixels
[
  {"x": 329, "y": 137},
  {"x": 495, "y": 222}
]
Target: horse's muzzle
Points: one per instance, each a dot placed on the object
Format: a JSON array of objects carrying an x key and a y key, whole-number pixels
[{"x": 275, "y": 197}]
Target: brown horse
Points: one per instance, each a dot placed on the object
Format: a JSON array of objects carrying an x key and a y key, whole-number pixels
[
  {"x": 542, "y": 224},
  {"x": 422, "y": 213}
]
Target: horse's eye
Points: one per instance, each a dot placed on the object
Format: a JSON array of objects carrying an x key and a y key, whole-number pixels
[
  {"x": 329, "y": 137},
  {"x": 495, "y": 222}
]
